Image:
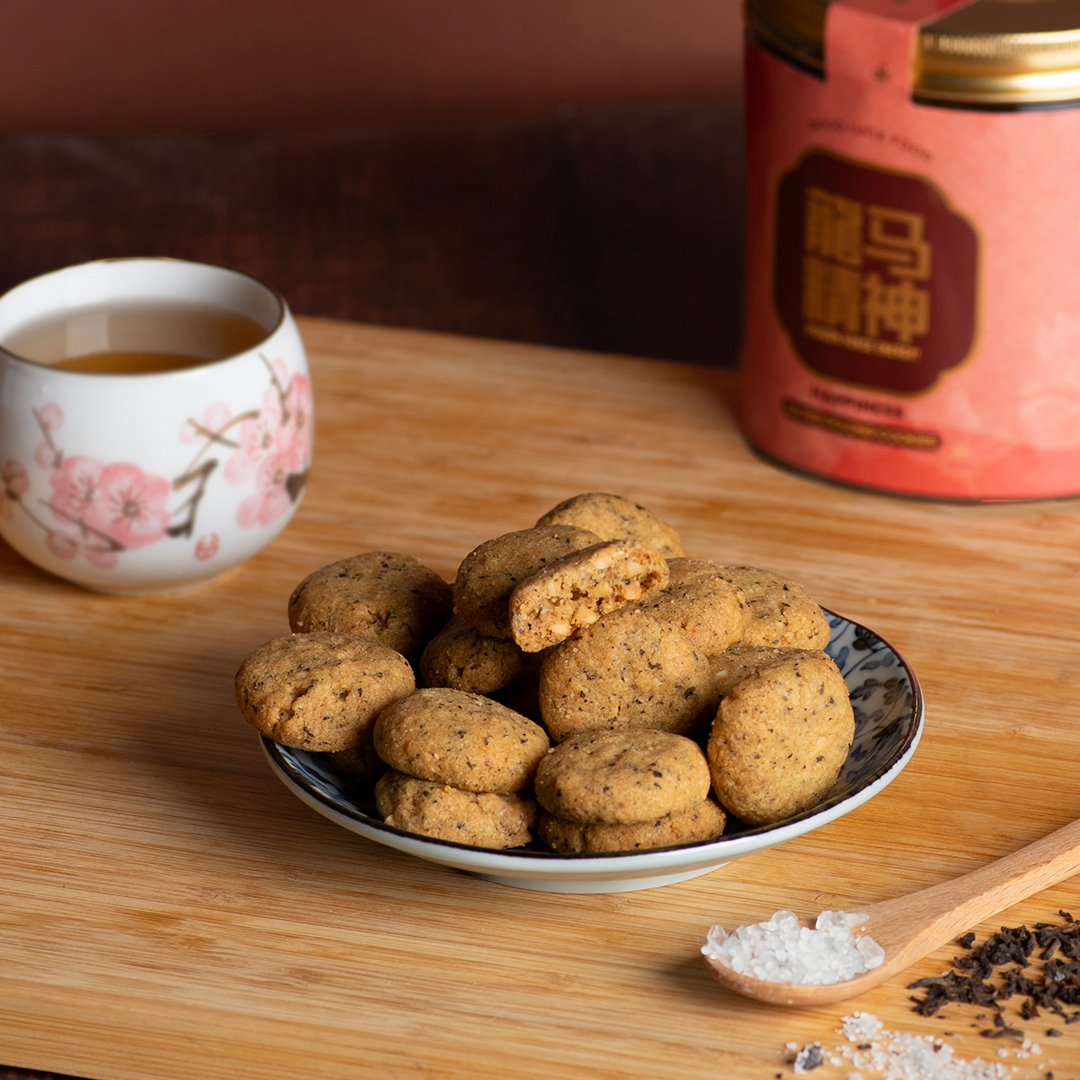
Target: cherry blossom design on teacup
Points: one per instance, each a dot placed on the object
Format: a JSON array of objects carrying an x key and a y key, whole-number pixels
[{"x": 97, "y": 510}]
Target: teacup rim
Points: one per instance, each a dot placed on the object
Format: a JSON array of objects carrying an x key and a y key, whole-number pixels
[{"x": 282, "y": 318}]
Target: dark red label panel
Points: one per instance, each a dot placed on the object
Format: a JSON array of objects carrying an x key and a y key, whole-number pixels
[{"x": 876, "y": 277}]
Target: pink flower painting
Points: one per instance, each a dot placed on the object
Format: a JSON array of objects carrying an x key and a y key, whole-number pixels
[
  {"x": 275, "y": 448},
  {"x": 98, "y": 510},
  {"x": 131, "y": 507},
  {"x": 109, "y": 509}
]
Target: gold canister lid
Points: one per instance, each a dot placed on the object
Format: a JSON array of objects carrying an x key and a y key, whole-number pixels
[{"x": 1003, "y": 53}]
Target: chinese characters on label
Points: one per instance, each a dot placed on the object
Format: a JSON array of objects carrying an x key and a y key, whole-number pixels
[
  {"x": 862, "y": 269},
  {"x": 875, "y": 274}
]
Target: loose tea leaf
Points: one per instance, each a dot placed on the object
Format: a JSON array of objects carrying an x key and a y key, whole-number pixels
[{"x": 1007, "y": 966}]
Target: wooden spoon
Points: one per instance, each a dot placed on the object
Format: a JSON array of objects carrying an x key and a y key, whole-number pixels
[{"x": 910, "y": 927}]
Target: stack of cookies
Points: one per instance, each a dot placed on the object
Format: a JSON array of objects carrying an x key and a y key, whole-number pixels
[
  {"x": 583, "y": 681},
  {"x": 459, "y": 763},
  {"x": 625, "y": 791}
]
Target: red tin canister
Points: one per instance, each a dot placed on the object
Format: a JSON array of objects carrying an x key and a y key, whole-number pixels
[{"x": 913, "y": 244}]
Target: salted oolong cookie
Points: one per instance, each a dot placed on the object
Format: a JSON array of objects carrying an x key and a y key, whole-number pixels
[
  {"x": 462, "y": 658},
  {"x": 782, "y": 731},
  {"x": 700, "y": 823},
  {"x": 490, "y": 573},
  {"x": 704, "y": 602},
  {"x": 462, "y": 739},
  {"x": 626, "y": 671},
  {"x": 481, "y": 818},
  {"x": 781, "y": 611},
  {"x": 575, "y": 591},
  {"x": 383, "y": 595},
  {"x": 320, "y": 691},
  {"x": 613, "y": 517},
  {"x": 622, "y": 777}
]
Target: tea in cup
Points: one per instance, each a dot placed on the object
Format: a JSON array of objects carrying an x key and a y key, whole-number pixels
[{"x": 155, "y": 422}]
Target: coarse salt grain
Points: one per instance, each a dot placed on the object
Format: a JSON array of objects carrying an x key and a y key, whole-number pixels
[
  {"x": 861, "y": 1027},
  {"x": 780, "y": 949},
  {"x": 906, "y": 1056}
]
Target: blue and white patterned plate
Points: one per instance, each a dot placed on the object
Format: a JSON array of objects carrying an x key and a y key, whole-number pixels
[{"x": 888, "y": 710}]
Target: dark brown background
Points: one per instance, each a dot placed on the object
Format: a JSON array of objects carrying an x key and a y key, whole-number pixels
[{"x": 564, "y": 172}]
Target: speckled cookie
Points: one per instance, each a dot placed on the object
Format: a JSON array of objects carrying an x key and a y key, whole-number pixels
[
  {"x": 698, "y": 824},
  {"x": 613, "y": 517},
  {"x": 490, "y": 573},
  {"x": 482, "y": 819},
  {"x": 622, "y": 777},
  {"x": 462, "y": 658},
  {"x": 392, "y": 598},
  {"x": 573, "y": 592},
  {"x": 704, "y": 602},
  {"x": 781, "y": 611},
  {"x": 626, "y": 671},
  {"x": 465, "y": 740},
  {"x": 320, "y": 691},
  {"x": 781, "y": 734}
]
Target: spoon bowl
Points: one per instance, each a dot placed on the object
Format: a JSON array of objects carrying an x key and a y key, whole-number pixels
[{"x": 909, "y": 927}]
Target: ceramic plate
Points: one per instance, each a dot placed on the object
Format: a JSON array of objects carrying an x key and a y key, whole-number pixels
[{"x": 888, "y": 722}]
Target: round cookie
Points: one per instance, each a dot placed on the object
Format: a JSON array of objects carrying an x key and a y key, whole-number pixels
[
  {"x": 490, "y": 573},
  {"x": 462, "y": 739},
  {"x": 575, "y": 591},
  {"x": 698, "y": 824},
  {"x": 626, "y": 671},
  {"x": 704, "y": 602},
  {"x": 482, "y": 819},
  {"x": 320, "y": 691},
  {"x": 379, "y": 594},
  {"x": 781, "y": 611},
  {"x": 622, "y": 777},
  {"x": 613, "y": 517},
  {"x": 781, "y": 734},
  {"x": 462, "y": 658}
]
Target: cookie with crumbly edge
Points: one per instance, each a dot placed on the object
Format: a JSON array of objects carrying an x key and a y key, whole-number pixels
[
  {"x": 465, "y": 740},
  {"x": 704, "y": 602},
  {"x": 384, "y": 595},
  {"x": 614, "y": 517},
  {"x": 628, "y": 670},
  {"x": 782, "y": 613},
  {"x": 483, "y": 819},
  {"x": 782, "y": 731},
  {"x": 490, "y": 573},
  {"x": 697, "y": 825},
  {"x": 320, "y": 691},
  {"x": 622, "y": 777},
  {"x": 462, "y": 658},
  {"x": 575, "y": 591}
]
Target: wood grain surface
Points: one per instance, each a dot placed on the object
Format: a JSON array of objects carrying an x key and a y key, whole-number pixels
[{"x": 169, "y": 910}]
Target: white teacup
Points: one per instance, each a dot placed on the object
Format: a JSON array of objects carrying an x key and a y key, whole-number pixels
[{"x": 154, "y": 481}]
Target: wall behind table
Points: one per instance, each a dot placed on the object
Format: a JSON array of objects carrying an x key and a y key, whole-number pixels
[{"x": 567, "y": 172}]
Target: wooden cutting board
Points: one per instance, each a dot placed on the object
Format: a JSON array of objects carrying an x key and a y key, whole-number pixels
[{"x": 169, "y": 910}]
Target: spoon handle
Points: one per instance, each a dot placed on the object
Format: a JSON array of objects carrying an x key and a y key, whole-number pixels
[{"x": 911, "y": 926}]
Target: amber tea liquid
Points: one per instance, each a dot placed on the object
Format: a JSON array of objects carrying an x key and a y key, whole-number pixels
[{"x": 136, "y": 337}]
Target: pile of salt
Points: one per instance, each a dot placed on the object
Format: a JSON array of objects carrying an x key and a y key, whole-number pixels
[{"x": 782, "y": 950}]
